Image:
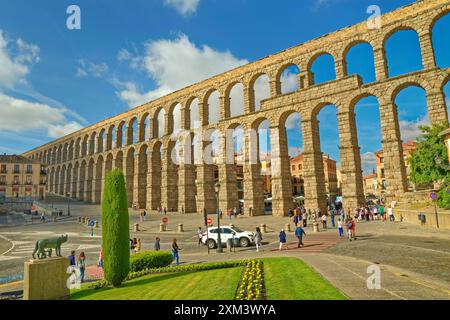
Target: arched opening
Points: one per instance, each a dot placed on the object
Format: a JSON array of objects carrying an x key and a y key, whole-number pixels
[
  {"x": 62, "y": 181},
  {"x": 441, "y": 41},
  {"x": 90, "y": 181},
  {"x": 236, "y": 96},
  {"x": 111, "y": 138},
  {"x": 101, "y": 142},
  {"x": 142, "y": 177},
  {"x": 194, "y": 115},
  {"x": 412, "y": 112},
  {"x": 294, "y": 138},
  {"x": 359, "y": 60},
  {"x": 261, "y": 90},
  {"x": 121, "y": 134},
  {"x": 289, "y": 78},
  {"x": 176, "y": 118},
  {"x": 155, "y": 182},
  {"x": 403, "y": 53},
  {"x": 129, "y": 176},
  {"x": 145, "y": 128},
  {"x": 330, "y": 147},
  {"x": 132, "y": 134},
  {"x": 81, "y": 181},
  {"x": 118, "y": 162},
  {"x": 238, "y": 153},
  {"x": 214, "y": 107},
  {"x": 159, "y": 124},
  {"x": 322, "y": 68},
  {"x": 69, "y": 181},
  {"x": 368, "y": 128},
  {"x": 109, "y": 163},
  {"x": 98, "y": 180}
]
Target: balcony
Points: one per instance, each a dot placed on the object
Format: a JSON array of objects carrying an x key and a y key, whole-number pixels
[
  {"x": 2, "y": 183},
  {"x": 15, "y": 183},
  {"x": 29, "y": 171},
  {"x": 28, "y": 183},
  {"x": 3, "y": 171},
  {"x": 16, "y": 171}
]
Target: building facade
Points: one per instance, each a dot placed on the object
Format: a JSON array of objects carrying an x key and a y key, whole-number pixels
[
  {"x": 21, "y": 177},
  {"x": 330, "y": 173},
  {"x": 140, "y": 141},
  {"x": 371, "y": 185}
]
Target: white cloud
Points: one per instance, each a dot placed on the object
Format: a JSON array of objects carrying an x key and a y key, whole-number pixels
[
  {"x": 20, "y": 116},
  {"x": 295, "y": 151},
  {"x": 293, "y": 122},
  {"x": 184, "y": 7},
  {"x": 87, "y": 68},
  {"x": 174, "y": 64},
  {"x": 15, "y": 58},
  {"x": 410, "y": 129}
]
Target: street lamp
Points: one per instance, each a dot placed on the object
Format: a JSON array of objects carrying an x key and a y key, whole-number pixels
[{"x": 219, "y": 240}]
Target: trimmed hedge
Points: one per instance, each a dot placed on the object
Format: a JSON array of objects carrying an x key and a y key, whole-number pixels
[
  {"x": 150, "y": 259},
  {"x": 115, "y": 228}
]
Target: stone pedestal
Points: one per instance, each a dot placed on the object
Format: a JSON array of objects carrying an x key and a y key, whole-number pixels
[
  {"x": 46, "y": 279},
  {"x": 162, "y": 227},
  {"x": 263, "y": 228},
  {"x": 180, "y": 228},
  {"x": 136, "y": 227},
  {"x": 287, "y": 227}
]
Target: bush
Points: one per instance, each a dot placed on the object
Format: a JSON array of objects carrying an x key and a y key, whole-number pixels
[
  {"x": 115, "y": 228},
  {"x": 150, "y": 259}
]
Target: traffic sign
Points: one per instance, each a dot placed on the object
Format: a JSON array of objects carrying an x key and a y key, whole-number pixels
[
  {"x": 210, "y": 221},
  {"x": 165, "y": 220},
  {"x": 433, "y": 195}
]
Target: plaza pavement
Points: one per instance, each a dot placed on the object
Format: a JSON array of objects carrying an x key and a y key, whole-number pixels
[{"x": 413, "y": 260}]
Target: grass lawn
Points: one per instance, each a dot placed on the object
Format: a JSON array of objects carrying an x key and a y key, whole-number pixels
[
  {"x": 292, "y": 279},
  {"x": 217, "y": 284}
]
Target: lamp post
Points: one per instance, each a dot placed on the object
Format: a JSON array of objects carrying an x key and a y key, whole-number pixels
[{"x": 219, "y": 240}]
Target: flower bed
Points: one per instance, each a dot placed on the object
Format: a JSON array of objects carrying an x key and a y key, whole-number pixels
[
  {"x": 252, "y": 282},
  {"x": 172, "y": 269}
]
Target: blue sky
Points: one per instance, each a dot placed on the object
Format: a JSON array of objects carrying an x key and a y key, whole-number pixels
[{"x": 56, "y": 80}]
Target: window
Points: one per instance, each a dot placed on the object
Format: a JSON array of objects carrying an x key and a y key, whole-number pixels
[
  {"x": 29, "y": 168},
  {"x": 382, "y": 160},
  {"x": 213, "y": 231},
  {"x": 28, "y": 179},
  {"x": 16, "y": 180},
  {"x": 226, "y": 231},
  {"x": 2, "y": 180},
  {"x": 16, "y": 168},
  {"x": 3, "y": 168},
  {"x": 382, "y": 172},
  {"x": 293, "y": 167},
  {"x": 299, "y": 167}
]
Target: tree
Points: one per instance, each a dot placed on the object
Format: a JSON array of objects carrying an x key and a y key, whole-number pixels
[
  {"x": 429, "y": 162},
  {"x": 115, "y": 228}
]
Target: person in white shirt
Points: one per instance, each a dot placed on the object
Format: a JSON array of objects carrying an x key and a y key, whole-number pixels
[
  {"x": 200, "y": 235},
  {"x": 340, "y": 228},
  {"x": 324, "y": 221},
  {"x": 391, "y": 214}
]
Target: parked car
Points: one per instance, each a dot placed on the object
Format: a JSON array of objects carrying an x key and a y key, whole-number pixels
[{"x": 245, "y": 238}]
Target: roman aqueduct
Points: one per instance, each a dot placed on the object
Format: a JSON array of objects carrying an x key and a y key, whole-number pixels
[{"x": 77, "y": 163}]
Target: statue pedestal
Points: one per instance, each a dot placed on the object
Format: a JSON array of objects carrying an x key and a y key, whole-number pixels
[{"x": 46, "y": 279}]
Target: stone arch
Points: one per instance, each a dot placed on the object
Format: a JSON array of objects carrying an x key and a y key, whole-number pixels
[
  {"x": 118, "y": 161},
  {"x": 234, "y": 99},
  {"x": 70, "y": 155},
  {"x": 154, "y": 180},
  {"x": 142, "y": 166},
  {"x": 129, "y": 175},
  {"x": 159, "y": 129},
  {"x": 77, "y": 148},
  {"x": 82, "y": 180},
  {"x": 101, "y": 141},
  {"x": 440, "y": 47},
  {"x": 259, "y": 89},
  {"x": 84, "y": 146},
  {"x": 388, "y": 39},
  {"x": 69, "y": 179},
  {"x": 65, "y": 152},
  {"x": 108, "y": 163},
  {"x": 92, "y": 149},
  {"x": 62, "y": 180},
  {"x": 287, "y": 78},
  {"x": 120, "y": 138},
  {"x": 347, "y": 65},
  {"x": 59, "y": 154},
  {"x": 144, "y": 127},
  {"x": 98, "y": 181},
  {"x": 327, "y": 63},
  {"x": 132, "y": 134},
  {"x": 193, "y": 113},
  {"x": 212, "y": 105}
]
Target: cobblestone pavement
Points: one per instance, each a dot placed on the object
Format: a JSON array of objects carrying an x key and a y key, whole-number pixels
[{"x": 412, "y": 259}]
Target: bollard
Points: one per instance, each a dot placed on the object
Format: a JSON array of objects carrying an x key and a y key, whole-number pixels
[
  {"x": 162, "y": 227},
  {"x": 54, "y": 219},
  {"x": 136, "y": 227},
  {"x": 83, "y": 219},
  {"x": 79, "y": 219},
  {"x": 180, "y": 228},
  {"x": 287, "y": 227},
  {"x": 96, "y": 224},
  {"x": 263, "y": 228}
]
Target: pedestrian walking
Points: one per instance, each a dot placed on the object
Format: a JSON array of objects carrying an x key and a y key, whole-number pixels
[
  {"x": 282, "y": 237},
  {"x": 101, "y": 259},
  {"x": 340, "y": 228},
  {"x": 42, "y": 218},
  {"x": 304, "y": 218},
  {"x": 296, "y": 219},
  {"x": 332, "y": 213},
  {"x": 390, "y": 211},
  {"x": 138, "y": 246},
  {"x": 81, "y": 264},
  {"x": 165, "y": 211},
  {"x": 175, "y": 250},
  {"x": 324, "y": 221},
  {"x": 199, "y": 235},
  {"x": 157, "y": 244},
  {"x": 72, "y": 261},
  {"x": 235, "y": 212},
  {"x": 145, "y": 215},
  {"x": 299, "y": 232},
  {"x": 258, "y": 239}
]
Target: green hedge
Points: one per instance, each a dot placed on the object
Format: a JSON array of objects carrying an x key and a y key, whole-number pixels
[{"x": 150, "y": 259}]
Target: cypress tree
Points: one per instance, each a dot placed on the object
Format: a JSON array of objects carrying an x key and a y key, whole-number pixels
[{"x": 115, "y": 228}]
